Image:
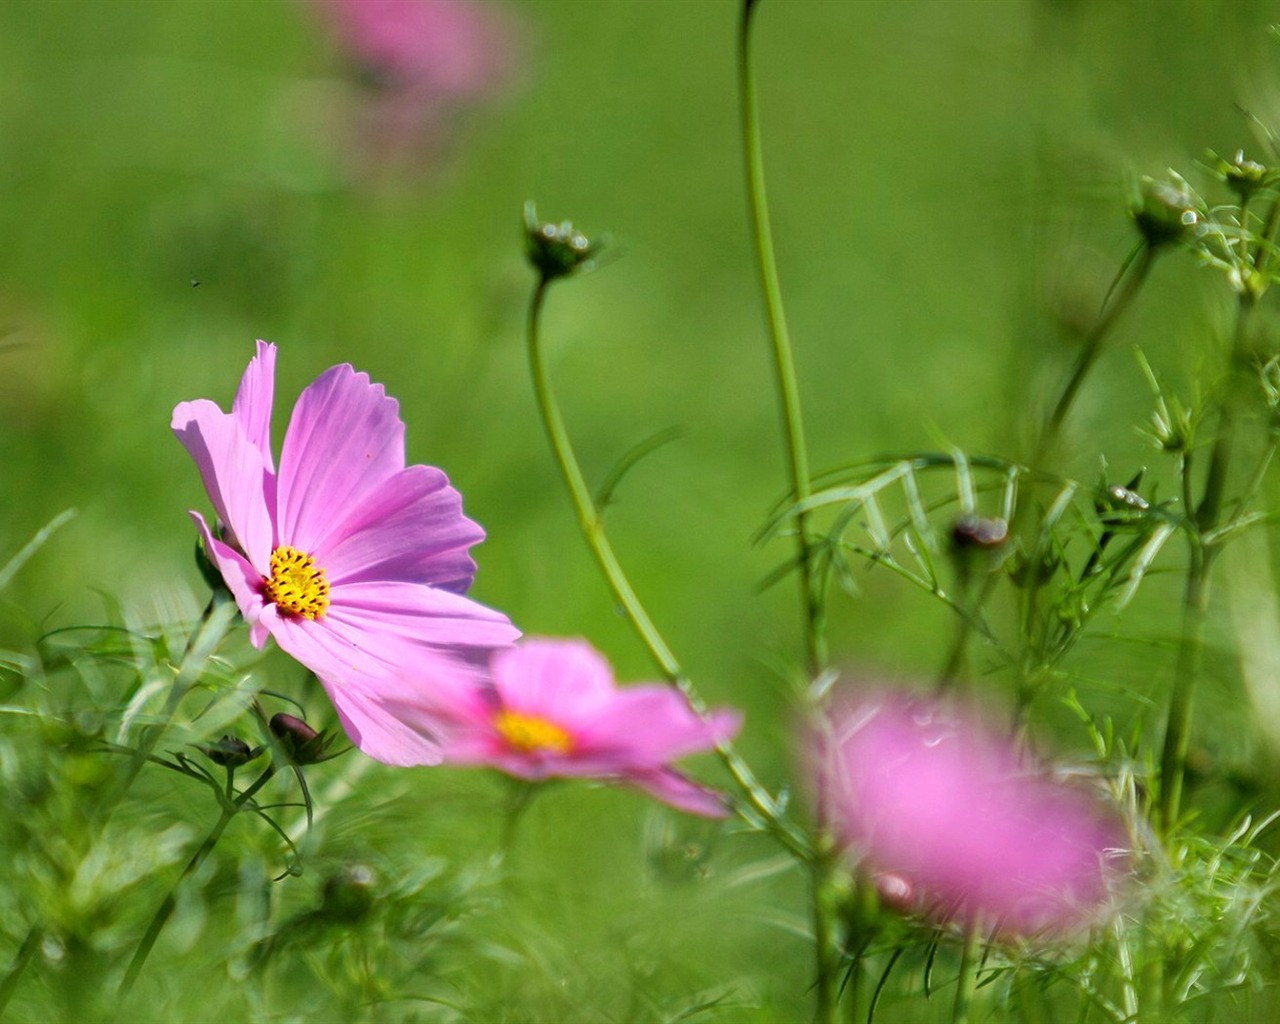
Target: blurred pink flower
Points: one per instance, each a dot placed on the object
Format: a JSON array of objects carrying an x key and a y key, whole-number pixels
[
  {"x": 420, "y": 60},
  {"x": 353, "y": 562},
  {"x": 950, "y": 814},
  {"x": 553, "y": 710}
]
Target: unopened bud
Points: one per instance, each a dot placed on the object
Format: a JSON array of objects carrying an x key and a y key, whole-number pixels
[
  {"x": 557, "y": 250},
  {"x": 1025, "y": 571},
  {"x": 349, "y": 893},
  {"x": 208, "y": 571},
  {"x": 301, "y": 742},
  {"x": 896, "y": 893},
  {"x": 1119, "y": 499},
  {"x": 970, "y": 532},
  {"x": 1243, "y": 177},
  {"x": 1166, "y": 211},
  {"x": 230, "y": 752}
]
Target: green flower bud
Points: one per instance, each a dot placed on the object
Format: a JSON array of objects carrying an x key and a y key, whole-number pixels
[
  {"x": 557, "y": 250},
  {"x": 208, "y": 571},
  {"x": 300, "y": 742},
  {"x": 230, "y": 752},
  {"x": 1166, "y": 211},
  {"x": 1243, "y": 177},
  {"x": 349, "y": 893}
]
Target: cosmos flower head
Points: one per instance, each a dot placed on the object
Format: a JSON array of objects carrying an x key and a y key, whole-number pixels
[
  {"x": 355, "y": 563},
  {"x": 420, "y": 60},
  {"x": 929, "y": 798},
  {"x": 553, "y": 710}
]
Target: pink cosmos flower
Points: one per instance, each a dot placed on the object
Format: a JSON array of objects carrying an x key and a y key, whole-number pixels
[
  {"x": 353, "y": 562},
  {"x": 420, "y": 60},
  {"x": 949, "y": 814},
  {"x": 553, "y": 710}
]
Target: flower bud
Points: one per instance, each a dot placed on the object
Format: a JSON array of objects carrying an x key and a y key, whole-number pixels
[
  {"x": 1121, "y": 499},
  {"x": 1026, "y": 571},
  {"x": 896, "y": 893},
  {"x": 230, "y": 752},
  {"x": 979, "y": 532},
  {"x": 348, "y": 893},
  {"x": 300, "y": 742},
  {"x": 1243, "y": 177},
  {"x": 557, "y": 250},
  {"x": 208, "y": 571},
  {"x": 1166, "y": 211}
]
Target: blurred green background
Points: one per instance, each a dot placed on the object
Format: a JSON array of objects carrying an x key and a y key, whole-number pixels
[{"x": 948, "y": 187}]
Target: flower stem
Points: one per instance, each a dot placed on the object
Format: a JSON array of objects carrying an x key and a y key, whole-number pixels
[
  {"x": 783, "y": 363},
  {"x": 826, "y": 939},
  {"x": 230, "y": 808},
  {"x": 824, "y": 932},
  {"x": 1130, "y": 277},
  {"x": 762, "y": 804},
  {"x": 1203, "y": 519},
  {"x": 967, "y": 983}
]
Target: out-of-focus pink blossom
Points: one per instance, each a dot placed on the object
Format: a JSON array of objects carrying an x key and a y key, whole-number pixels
[
  {"x": 928, "y": 797},
  {"x": 553, "y": 710},
  {"x": 354, "y": 562},
  {"x": 420, "y": 60}
]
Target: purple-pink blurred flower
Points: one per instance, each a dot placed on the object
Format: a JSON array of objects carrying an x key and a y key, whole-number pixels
[
  {"x": 933, "y": 800},
  {"x": 353, "y": 562},
  {"x": 420, "y": 59},
  {"x": 553, "y": 710}
]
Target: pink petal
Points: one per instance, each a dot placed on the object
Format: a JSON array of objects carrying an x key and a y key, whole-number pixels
[
  {"x": 925, "y": 792},
  {"x": 683, "y": 794},
  {"x": 410, "y": 528},
  {"x": 418, "y": 613},
  {"x": 654, "y": 724},
  {"x": 241, "y": 578},
  {"x": 344, "y": 439},
  {"x": 565, "y": 681},
  {"x": 252, "y": 405},
  {"x": 234, "y": 474},
  {"x": 394, "y": 667},
  {"x": 377, "y": 731}
]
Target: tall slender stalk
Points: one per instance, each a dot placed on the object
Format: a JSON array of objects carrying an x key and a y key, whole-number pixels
[
  {"x": 761, "y": 803},
  {"x": 1203, "y": 519},
  {"x": 821, "y": 867},
  {"x": 967, "y": 982},
  {"x": 783, "y": 363}
]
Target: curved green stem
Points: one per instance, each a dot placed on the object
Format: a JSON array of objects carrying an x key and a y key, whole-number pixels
[
  {"x": 783, "y": 363},
  {"x": 589, "y": 520},
  {"x": 1131, "y": 276},
  {"x": 230, "y": 808}
]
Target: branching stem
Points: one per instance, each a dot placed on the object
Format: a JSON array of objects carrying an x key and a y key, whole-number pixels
[{"x": 229, "y": 809}]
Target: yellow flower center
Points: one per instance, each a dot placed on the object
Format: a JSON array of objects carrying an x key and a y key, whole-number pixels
[
  {"x": 531, "y": 734},
  {"x": 297, "y": 584}
]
